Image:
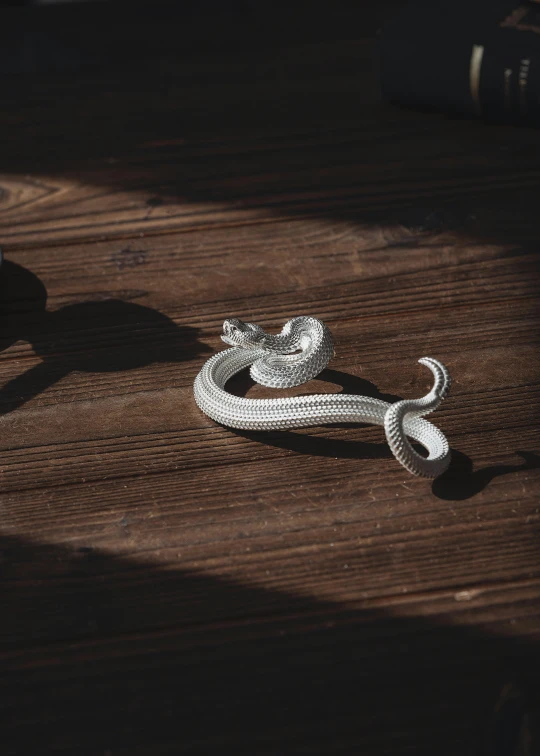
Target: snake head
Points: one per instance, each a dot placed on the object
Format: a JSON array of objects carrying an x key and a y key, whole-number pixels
[{"x": 239, "y": 334}]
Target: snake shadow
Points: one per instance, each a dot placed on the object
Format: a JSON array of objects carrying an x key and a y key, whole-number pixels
[
  {"x": 318, "y": 445},
  {"x": 104, "y": 334},
  {"x": 461, "y": 482},
  {"x": 458, "y": 483}
]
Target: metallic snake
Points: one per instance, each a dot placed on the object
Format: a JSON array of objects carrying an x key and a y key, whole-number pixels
[{"x": 300, "y": 352}]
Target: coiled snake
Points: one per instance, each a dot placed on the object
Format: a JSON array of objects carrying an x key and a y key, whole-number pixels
[{"x": 300, "y": 352}]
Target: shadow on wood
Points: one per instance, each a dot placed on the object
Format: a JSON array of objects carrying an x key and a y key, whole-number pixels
[
  {"x": 109, "y": 335},
  {"x": 461, "y": 482},
  {"x": 119, "y": 656},
  {"x": 210, "y": 109}
]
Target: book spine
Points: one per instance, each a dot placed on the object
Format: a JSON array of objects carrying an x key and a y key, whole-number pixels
[
  {"x": 504, "y": 81},
  {"x": 494, "y": 73}
]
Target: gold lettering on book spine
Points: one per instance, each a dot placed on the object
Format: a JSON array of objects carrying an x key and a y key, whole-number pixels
[
  {"x": 523, "y": 80},
  {"x": 474, "y": 75},
  {"x": 508, "y": 89}
]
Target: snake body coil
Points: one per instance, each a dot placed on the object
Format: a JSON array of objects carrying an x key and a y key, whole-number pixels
[{"x": 300, "y": 352}]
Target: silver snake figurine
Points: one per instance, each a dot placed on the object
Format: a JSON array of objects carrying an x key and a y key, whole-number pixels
[{"x": 300, "y": 352}]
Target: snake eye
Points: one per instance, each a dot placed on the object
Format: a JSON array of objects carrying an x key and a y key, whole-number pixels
[
  {"x": 231, "y": 331},
  {"x": 232, "y": 326}
]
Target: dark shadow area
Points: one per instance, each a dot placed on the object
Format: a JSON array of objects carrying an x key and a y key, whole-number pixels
[
  {"x": 303, "y": 443},
  {"x": 273, "y": 109},
  {"x": 108, "y": 655},
  {"x": 461, "y": 482},
  {"x": 109, "y": 335}
]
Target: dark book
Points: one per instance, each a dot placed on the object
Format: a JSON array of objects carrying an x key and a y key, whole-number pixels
[{"x": 467, "y": 56}]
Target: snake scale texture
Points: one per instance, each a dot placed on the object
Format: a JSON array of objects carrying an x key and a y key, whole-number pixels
[{"x": 300, "y": 352}]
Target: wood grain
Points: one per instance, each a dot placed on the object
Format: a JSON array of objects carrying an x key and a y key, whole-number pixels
[{"x": 171, "y": 586}]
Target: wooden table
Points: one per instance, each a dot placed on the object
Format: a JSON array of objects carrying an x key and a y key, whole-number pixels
[{"x": 170, "y": 586}]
